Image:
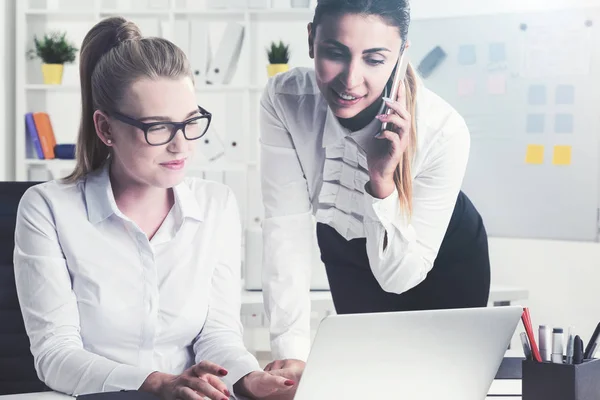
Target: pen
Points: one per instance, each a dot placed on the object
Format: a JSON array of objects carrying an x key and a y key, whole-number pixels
[
  {"x": 570, "y": 348},
  {"x": 589, "y": 350},
  {"x": 593, "y": 352},
  {"x": 526, "y": 319},
  {"x": 526, "y": 348},
  {"x": 557, "y": 346},
  {"x": 544, "y": 335},
  {"x": 578, "y": 350}
]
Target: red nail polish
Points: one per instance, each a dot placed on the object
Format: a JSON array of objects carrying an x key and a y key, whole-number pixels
[
  {"x": 227, "y": 393},
  {"x": 223, "y": 372},
  {"x": 289, "y": 383}
]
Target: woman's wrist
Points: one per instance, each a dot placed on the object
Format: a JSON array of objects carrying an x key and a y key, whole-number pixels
[
  {"x": 381, "y": 188},
  {"x": 241, "y": 386},
  {"x": 153, "y": 382}
]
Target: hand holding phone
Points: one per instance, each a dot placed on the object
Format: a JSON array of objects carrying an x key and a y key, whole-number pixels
[{"x": 398, "y": 78}]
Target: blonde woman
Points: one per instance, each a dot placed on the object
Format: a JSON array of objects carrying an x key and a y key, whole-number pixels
[
  {"x": 127, "y": 272},
  {"x": 393, "y": 228}
]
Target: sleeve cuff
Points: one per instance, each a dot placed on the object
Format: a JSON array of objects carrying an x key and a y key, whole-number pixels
[
  {"x": 387, "y": 212},
  {"x": 240, "y": 368},
  {"x": 290, "y": 347},
  {"x": 126, "y": 377}
]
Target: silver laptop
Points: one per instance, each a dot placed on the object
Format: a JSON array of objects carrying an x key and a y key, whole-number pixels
[{"x": 419, "y": 355}]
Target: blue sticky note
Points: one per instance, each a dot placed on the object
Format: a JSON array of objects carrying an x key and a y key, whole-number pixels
[
  {"x": 536, "y": 123},
  {"x": 563, "y": 123},
  {"x": 497, "y": 52},
  {"x": 467, "y": 55},
  {"x": 537, "y": 94},
  {"x": 565, "y": 94}
]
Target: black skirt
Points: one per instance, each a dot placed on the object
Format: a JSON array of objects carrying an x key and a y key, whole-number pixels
[{"x": 460, "y": 277}]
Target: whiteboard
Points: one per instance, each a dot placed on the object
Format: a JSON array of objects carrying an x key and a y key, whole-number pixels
[{"x": 528, "y": 86}]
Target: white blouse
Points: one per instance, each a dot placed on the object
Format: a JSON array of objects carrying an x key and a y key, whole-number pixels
[
  {"x": 315, "y": 169},
  {"x": 104, "y": 306}
]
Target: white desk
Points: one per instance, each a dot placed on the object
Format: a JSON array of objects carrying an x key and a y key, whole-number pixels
[{"x": 57, "y": 396}]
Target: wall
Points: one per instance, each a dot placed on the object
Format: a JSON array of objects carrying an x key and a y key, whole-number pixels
[{"x": 562, "y": 277}]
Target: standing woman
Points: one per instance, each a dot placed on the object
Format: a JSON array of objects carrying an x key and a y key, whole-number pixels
[{"x": 393, "y": 228}]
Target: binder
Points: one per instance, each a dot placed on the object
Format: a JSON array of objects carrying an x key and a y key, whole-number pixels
[
  {"x": 223, "y": 65},
  {"x": 236, "y": 180},
  {"x": 32, "y": 133},
  {"x": 45, "y": 133},
  {"x": 211, "y": 145},
  {"x": 235, "y": 141},
  {"x": 215, "y": 176},
  {"x": 255, "y": 211},
  {"x": 199, "y": 49}
]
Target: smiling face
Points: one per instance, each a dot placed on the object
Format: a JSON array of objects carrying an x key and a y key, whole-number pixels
[
  {"x": 354, "y": 58},
  {"x": 148, "y": 101}
]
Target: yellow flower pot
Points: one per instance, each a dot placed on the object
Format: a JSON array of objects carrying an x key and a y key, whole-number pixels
[
  {"x": 274, "y": 69},
  {"x": 52, "y": 73}
]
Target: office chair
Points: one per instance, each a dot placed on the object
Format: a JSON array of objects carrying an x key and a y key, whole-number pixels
[{"x": 17, "y": 372}]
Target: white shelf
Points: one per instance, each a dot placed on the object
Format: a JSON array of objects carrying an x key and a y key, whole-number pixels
[
  {"x": 136, "y": 13},
  {"x": 238, "y": 168},
  {"x": 42, "y": 87},
  {"x": 60, "y": 13},
  {"x": 209, "y": 13},
  {"x": 56, "y": 162}
]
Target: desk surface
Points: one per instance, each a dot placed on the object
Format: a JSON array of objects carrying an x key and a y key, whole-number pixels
[{"x": 57, "y": 396}]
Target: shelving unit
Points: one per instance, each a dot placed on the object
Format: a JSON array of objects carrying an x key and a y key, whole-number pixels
[{"x": 234, "y": 105}]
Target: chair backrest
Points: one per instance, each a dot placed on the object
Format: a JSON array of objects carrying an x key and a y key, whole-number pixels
[{"x": 17, "y": 372}]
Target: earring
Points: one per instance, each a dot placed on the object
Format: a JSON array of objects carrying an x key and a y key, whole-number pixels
[{"x": 109, "y": 141}]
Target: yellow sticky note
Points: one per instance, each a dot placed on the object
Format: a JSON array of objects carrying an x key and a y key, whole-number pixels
[
  {"x": 535, "y": 154},
  {"x": 562, "y": 155}
]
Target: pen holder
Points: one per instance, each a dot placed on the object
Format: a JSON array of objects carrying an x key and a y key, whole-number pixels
[{"x": 549, "y": 381}]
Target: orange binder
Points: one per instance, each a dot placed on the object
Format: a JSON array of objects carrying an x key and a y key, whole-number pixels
[{"x": 45, "y": 133}]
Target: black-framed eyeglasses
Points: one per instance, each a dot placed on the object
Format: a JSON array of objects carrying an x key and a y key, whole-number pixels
[{"x": 159, "y": 133}]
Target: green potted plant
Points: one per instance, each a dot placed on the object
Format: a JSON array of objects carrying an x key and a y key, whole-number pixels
[
  {"x": 278, "y": 55},
  {"x": 54, "y": 50}
]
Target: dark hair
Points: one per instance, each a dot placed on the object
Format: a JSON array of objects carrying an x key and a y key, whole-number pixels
[
  {"x": 113, "y": 56},
  {"x": 394, "y": 13}
]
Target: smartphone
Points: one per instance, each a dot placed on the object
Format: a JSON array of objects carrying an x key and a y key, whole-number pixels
[{"x": 393, "y": 85}]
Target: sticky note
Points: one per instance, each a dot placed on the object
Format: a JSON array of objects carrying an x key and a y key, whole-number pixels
[
  {"x": 536, "y": 95},
  {"x": 562, "y": 155},
  {"x": 563, "y": 123},
  {"x": 565, "y": 94},
  {"x": 496, "y": 83},
  {"x": 497, "y": 52},
  {"x": 467, "y": 55},
  {"x": 535, "y": 123},
  {"x": 466, "y": 87},
  {"x": 535, "y": 154}
]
